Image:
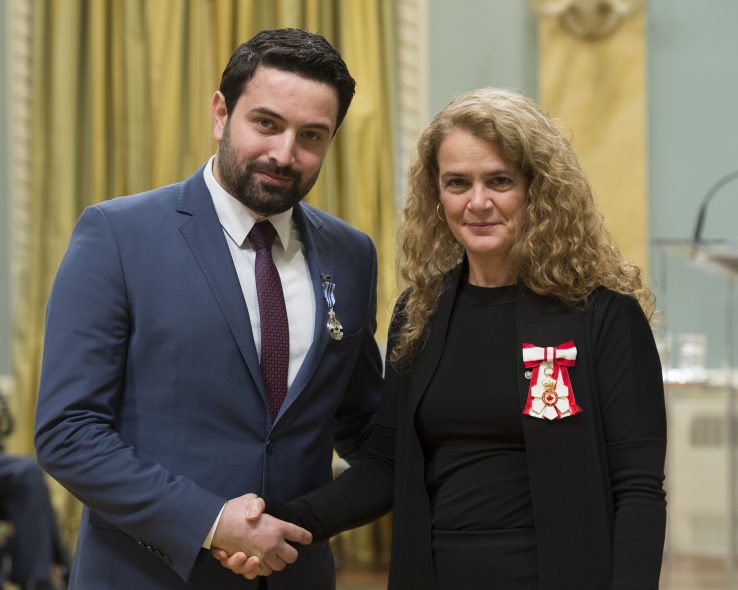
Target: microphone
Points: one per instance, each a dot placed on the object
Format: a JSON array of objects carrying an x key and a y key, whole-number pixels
[{"x": 703, "y": 208}]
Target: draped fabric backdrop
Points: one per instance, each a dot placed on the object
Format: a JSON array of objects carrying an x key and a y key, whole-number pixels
[{"x": 121, "y": 103}]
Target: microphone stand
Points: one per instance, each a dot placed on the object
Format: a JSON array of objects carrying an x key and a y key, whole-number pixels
[
  {"x": 697, "y": 235},
  {"x": 731, "y": 435}
]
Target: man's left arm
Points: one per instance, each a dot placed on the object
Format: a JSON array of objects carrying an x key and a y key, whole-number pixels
[{"x": 356, "y": 415}]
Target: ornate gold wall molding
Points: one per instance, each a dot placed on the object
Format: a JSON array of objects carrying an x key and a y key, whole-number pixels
[
  {"x": 412, "y": 76},
  {"x": 589, "y": 19},
  {"x": 19, "y": 25}
]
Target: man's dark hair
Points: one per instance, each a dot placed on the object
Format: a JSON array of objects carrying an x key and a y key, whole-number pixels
[{"x": 292, "y": 50}]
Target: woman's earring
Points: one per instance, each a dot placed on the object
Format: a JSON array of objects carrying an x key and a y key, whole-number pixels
[{"x": 441, "y": 216}]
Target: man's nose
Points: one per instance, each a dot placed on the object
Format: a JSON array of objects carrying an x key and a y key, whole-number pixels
[{"x": 282, "y": 151}]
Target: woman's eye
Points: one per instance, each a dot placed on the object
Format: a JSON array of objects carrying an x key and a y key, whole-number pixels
[{"x": 499, "y": 181}]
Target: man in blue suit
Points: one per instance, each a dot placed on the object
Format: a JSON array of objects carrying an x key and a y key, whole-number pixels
[
  {"x": 187, "y": 362},
  {"x": 34, "y": 547}
]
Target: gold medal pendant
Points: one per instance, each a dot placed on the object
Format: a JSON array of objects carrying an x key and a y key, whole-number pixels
[{"x": 335, "y": 329}]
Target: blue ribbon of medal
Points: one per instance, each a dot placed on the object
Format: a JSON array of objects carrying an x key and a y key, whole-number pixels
[{"x": 335, "y": 329}]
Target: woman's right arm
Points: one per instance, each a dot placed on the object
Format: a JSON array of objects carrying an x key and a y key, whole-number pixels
[
  {"x": 363, "y": 492},
  {"x": 360, "y": 494}
]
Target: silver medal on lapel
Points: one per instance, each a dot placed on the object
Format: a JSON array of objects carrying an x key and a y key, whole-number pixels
[{"x": 335, "y": 329}]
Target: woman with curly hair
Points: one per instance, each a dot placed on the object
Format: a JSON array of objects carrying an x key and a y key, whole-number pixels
[{"x": 522, "y": 435}]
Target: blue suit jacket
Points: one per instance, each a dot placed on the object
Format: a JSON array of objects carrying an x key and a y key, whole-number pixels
[{"x": 152, "y": 406}]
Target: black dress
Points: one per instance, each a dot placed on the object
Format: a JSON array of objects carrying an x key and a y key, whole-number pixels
[
  {"x": 476, "y": 474},
  {"x": 447, "y": 452}
]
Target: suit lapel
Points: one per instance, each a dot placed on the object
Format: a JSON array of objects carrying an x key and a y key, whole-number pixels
[
  {"x": 319, "y": 253},
  {"x": 203, "y": 233}
]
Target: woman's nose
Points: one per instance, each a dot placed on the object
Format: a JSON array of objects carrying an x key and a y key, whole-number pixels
[{"x": 479, "y": 197}]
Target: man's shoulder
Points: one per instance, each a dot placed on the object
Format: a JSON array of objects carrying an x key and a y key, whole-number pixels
[
  {"x": 163, "y": 196},
  {"x": 319, "y": 218},
  {"x": 187, "y": 196}
]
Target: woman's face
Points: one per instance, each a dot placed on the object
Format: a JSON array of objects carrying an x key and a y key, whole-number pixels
[{"x": 481, "y": 193}]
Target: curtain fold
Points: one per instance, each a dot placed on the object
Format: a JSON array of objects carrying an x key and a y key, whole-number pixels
[
  {"x": 368, "y": 157},
  {"x": 121, "y": 103}
]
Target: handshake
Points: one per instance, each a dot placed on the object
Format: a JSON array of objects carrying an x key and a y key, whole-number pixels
[{"x": 251, "y": 543}]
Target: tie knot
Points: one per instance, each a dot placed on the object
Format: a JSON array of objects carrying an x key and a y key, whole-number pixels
[{"x": 262, "y": 235}]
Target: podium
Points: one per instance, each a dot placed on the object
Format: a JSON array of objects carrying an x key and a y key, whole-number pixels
[
  {"x": 702, "y": 409},
  {"x": 718, "y": 257}
]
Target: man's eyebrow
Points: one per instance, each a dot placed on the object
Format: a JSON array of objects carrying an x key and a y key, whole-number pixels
[
  {"x": 321, "y": 126},
  {"x": 267, "y": 112},
  {"x": 270, "y": 113}
]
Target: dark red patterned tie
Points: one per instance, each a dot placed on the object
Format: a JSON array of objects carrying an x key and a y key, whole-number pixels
[{"x": 275, "y": 335}]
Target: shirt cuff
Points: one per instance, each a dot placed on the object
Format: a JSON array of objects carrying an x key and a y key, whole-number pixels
[{"x": 209, "y": 539}]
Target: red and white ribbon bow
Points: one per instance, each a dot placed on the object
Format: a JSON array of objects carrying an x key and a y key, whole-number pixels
[{"x": 550, "y": 394}]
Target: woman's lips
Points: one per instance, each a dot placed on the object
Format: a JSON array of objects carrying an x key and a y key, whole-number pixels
[{"x": 480, "y": 225}]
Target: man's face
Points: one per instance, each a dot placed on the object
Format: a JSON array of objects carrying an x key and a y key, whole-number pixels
[{"x": 272, "y": 145}]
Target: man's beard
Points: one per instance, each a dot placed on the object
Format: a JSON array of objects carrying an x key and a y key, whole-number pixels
[{"x": 238, "y": 179}]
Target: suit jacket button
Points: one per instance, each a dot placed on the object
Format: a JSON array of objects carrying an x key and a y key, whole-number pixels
[{"x": 271, "y": 446}]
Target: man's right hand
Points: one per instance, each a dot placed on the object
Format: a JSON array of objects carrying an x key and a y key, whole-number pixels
[{"x": 243, "y": 529}]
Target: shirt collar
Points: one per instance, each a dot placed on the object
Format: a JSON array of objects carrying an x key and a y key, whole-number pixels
[{"x": 236, "y": 218}]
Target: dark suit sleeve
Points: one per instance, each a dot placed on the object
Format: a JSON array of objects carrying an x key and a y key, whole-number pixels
[
  {"x": 87, "y": 335},
  {"x": 359, "y": 495},
  {"x": 354, "y": 420},
  {"x": 364, "y": 492},
  {"x": 629, "y": 381}
]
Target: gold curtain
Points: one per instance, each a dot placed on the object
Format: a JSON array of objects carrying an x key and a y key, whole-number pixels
[{"x": 121, "y": 103}]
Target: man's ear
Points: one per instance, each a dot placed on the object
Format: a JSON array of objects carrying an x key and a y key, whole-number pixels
[{"x": 220, "y": 114}]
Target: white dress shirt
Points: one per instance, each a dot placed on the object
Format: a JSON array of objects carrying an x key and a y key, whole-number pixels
[{"x": 288, "y": 253}]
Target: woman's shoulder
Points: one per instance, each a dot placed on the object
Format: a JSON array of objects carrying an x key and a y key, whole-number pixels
[
  {"x": 605, "y": 301},
  {"x": 612, "y": 315}
]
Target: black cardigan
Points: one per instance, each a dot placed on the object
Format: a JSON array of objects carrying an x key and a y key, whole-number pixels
[{"x": 596, "y": 477}]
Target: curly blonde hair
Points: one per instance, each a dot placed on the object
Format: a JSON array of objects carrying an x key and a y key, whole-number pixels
[{"x": 562, "y": 248}]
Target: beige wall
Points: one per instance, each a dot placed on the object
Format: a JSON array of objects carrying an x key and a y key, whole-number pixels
[{"x": 597, "y": 89}]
